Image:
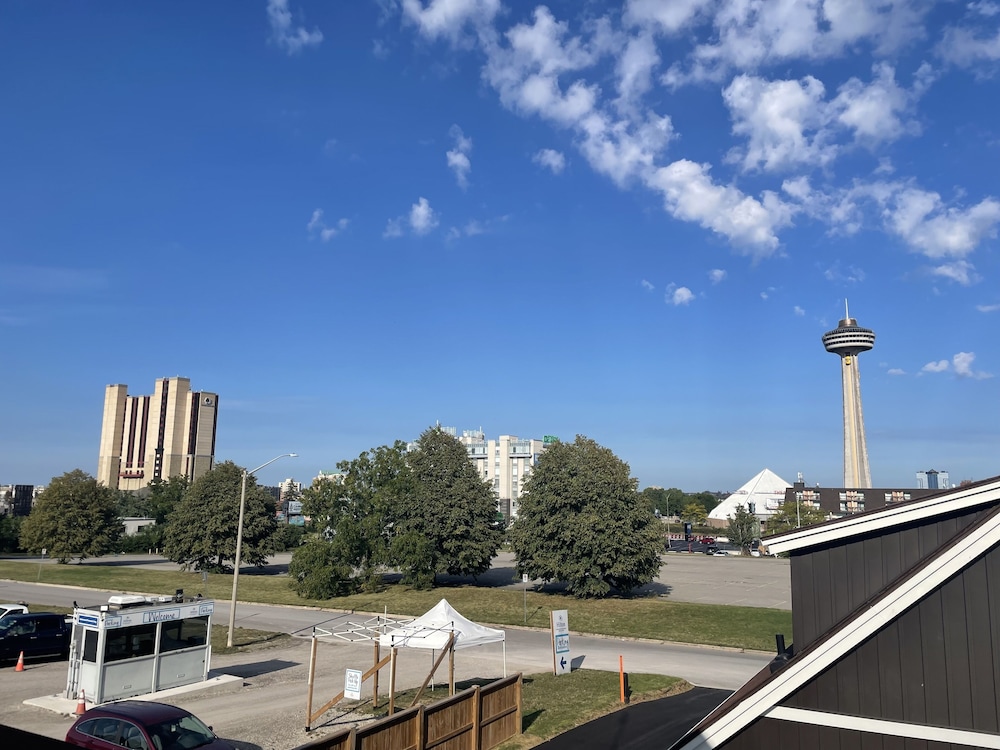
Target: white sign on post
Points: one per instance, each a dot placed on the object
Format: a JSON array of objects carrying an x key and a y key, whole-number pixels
[
  {"x": 352, "y": 684},
  {"x": 561, "y": 658}
]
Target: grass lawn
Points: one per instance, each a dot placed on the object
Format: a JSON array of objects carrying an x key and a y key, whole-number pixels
[{"x": 717, "y": 625}]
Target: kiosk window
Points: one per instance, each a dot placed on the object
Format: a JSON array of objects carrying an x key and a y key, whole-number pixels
[
  {"x": 178, "y": 634},
  {"x": 124, "y": 643},
  {"x": 90, "y": 645}
]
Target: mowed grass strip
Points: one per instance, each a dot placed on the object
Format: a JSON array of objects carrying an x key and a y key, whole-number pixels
[
  {"x": 653, "y": 618},
  {"x": 552, "y": 705}
]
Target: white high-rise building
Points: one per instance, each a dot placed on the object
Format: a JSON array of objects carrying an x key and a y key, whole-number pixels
[{"x": 505, "y": 463}]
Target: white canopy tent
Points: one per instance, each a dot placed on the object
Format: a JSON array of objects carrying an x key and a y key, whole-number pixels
[{"x": 433, "y": 629}]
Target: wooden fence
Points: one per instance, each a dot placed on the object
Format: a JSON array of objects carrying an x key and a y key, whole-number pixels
[{"x": 479, "y": 718}]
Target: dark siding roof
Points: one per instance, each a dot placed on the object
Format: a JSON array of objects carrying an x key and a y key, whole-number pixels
[
  {"x": 938, "y": 663},
  {"x": 831, "y": 581}
]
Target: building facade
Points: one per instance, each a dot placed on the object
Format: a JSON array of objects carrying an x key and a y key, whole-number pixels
[
  {"x": 933, "y": 480},
  {"x": 504, "y": 463},
  {"x": 844, "y": 501},
  {"x": 847, "y": 341},
  {"x": 170, "y": 433}
]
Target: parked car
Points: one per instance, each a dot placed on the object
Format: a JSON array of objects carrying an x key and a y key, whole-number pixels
[
  {"x": 34, "y": 634},
  {"x": 12, "y": 609},
  {"x": 708, "y": 540},
  {"x": 142, "y": 725}
]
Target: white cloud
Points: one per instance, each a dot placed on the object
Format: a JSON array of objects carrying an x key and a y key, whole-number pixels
[
  {"x": 647, "y": 286},
  {"x": 988, "y": 308},
  {"x": 922, "y": 220},
  {"x": 798, "y": 311},
  {"x": 940, "y": 366},
  {"x": 292, "y": 39},
  {"x": 677, "y": 295},
  {"x": 525, "y": 65},
  {"x": 317, "y": 226},
  {"x": 551, "y": 159},
  {"x": 850, "y": 275},
  {"x": 458, "y": 157},
  {"x": 783, "y": 121},
  {"x": 668, "y": 17},
  {"x": 895, "y": 371},
  {"x": 874, "y": 112},
  {"x": 394, "y": 228},
  {"x": 959, "y": 271},
  {"x": 789, "y": 123},
  {"x": 962, "y": 362},
  {"x": 690, "y": 194},
  {"x": 422, "y": 217},
  {"x": 635, "y": 68},
  {"x": 717, "y": 275},
  {"x": 447, "y": 18},
  {"x": 971, "y": 44},
  {"x": 747, "y": 35}
]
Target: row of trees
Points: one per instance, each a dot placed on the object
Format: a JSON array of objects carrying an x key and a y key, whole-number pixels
[
  {"x": 77, "y": 517},
  {"x": 693, "y": 507},
  {"x": 421, "y": 513}
]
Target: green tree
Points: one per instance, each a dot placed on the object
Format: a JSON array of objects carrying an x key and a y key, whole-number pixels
[
  {"x": 448, "y": 523},
  {"x": 669, "y": 502},
  {"x": 201, "y": 533},
  {"x": 355, "y": 514},
  {"x": 695, "y": 513},
  {"x": 581, "y": 520},
  {"x": 743, "y": 528},
  {"x": 73, "y": 516},
  {"x": 788, "y": 517},
  {"x": 163, "y": 496},
  {"x": 10, "y": 533},
  {"x": 317, "y": 571}
]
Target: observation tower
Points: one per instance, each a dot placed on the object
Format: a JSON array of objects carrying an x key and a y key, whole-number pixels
[{"x": 848, "y": 340}]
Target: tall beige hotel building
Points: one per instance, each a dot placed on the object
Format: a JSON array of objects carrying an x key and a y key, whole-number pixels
[{"x": 171, "y": 433}]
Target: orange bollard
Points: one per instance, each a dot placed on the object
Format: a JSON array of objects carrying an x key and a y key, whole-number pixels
[{"x": 20, "y": 663}]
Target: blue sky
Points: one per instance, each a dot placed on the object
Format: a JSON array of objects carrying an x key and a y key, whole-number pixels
[{"x": 633, "y": 221}]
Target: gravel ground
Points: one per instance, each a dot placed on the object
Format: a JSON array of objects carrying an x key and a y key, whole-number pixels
[{"x": 269, "y": 711}]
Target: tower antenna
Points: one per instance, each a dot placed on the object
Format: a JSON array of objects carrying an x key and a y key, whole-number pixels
[{"x": 847, "y": 313}]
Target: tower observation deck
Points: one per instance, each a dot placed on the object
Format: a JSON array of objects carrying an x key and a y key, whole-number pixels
[{"x": 848, "y": 340}]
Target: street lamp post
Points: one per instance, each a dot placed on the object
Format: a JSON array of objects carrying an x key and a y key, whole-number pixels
[{"x": 239, "y": 541}]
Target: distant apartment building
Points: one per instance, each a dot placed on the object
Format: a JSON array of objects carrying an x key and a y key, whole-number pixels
[
  {"x": 171, "y": 433},
  {"x": 289, "y": 490},
  {"x": 933, "y": 480},
  {"x": 18, "y": 499},
  {"x": 504, "y": 463},
  {"x": 843, "y": 501}
]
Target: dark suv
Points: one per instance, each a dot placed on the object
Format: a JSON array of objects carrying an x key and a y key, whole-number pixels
[{"x": 35, "y": 634}]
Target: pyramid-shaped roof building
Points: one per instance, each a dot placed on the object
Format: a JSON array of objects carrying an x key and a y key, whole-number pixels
[{"x": 766, "y": 491}]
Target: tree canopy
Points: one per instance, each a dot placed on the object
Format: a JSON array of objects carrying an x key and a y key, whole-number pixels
[
  {"x": 582, "y": 520},
  {"x": 202, "y": 530},
  {"x": 743, "y": 528},
  {"x": 73, "y": 517},
  {"x": 448, "y": 522},
  {"x": 788, "y": 517},
  {"x": 353, "y": 517}
]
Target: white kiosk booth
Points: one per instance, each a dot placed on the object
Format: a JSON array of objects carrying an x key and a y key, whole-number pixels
[{"x": 135, "y": 645}]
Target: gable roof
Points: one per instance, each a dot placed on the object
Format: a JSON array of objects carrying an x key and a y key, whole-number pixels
[
  {"x": 766, "y": 490},
  {"x": 763, "y": 695},
  {"x": 432, "y": 629}
]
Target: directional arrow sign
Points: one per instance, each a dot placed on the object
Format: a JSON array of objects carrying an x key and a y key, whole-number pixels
[{"x": 562, "y": 660}]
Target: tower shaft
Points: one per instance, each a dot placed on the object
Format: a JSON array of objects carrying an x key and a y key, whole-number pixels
[{"x": 856, "y": 471}]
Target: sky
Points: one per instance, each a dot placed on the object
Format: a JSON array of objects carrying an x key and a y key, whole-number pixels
[{"x": 631, "y": 221}]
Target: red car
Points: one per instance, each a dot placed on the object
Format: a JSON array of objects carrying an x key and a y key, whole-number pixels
[
  {"x": 142, "y": 725},
  {"x": 708, "y": 540}
]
